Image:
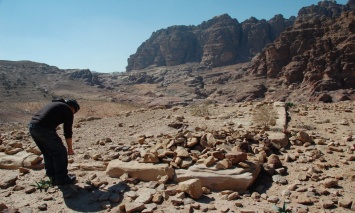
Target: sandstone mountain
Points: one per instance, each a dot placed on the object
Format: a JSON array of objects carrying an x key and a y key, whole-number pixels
[
  {"x": 218, "y": 42},
  {"x": 316, "y": 56}
]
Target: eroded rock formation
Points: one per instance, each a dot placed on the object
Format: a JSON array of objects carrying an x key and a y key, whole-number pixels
[
  {"x": 317, "y": 53},
  {"x": 218, "y": 42}
]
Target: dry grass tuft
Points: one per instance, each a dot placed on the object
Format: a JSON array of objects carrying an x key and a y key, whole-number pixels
[
  {"x": 201, "y": 109},
  {"x": 265, "y": 115}
]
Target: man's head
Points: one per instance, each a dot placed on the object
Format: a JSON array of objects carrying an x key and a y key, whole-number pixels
[{"x": 74, "y": 104}]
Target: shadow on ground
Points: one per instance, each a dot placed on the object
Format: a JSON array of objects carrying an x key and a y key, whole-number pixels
[{"x": 79, "y": 199}]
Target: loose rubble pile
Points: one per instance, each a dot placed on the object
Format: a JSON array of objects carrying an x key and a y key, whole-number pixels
[{"x": 221, "y": 162}]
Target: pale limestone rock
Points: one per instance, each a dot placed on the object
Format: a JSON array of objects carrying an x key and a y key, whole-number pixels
[
  {"x": 237, "y": 179},
  {"x": 134, "y": 207},
  {"x": 192, "y": 142},
  {"x": 209, "y": 161},
  {"x": 15, "y": 161},
  {"x": 163, "y": 179},
  {"x": 233, "y": 196},
  {"x": 35, "y": 150},
  {"x": 277, "y": 139},
  {"x": 92, "y": 166},
  {"x": 150, "y": 158},
  {"x": 141, "y": 171},
  {"x": 149, "y": 207},
  {"x": 144, "y": 197},
  {"x": 273, "y": 199},
  {"x": 181, "y": 152},
  {"x": 224, "y": 164}
]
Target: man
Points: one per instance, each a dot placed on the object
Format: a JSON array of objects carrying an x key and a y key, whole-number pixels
[{"x": 43, "y": 131}]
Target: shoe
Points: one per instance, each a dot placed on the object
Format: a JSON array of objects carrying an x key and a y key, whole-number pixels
[{"x": 67, "y": 180}]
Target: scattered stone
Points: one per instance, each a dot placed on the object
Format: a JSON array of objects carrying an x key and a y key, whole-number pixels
[
  {"x": 30, "y": 190},
  {"x": 256, "y": 196},
  {"x": 3, "y": 207},
  {"x": 134, "y": 207},
  {"x": 273, "y": 199},
  {"x": 233, "y": 196},
  {"x": 274, "y": 161},
  {"x": 327, "y": 204},
  {"x": 345, "y": 203},
  {"x": 144, "y": 197},
  {"x": 236, "y": 157},
  {"x": 279, "y": 179},
  {"x": 303, "y": 199},
  {"x": 330, "y": 183},
  {"x": 8, "y": 182},
  {"x": 302, "y": 177},
  {"x": 42, "y": 207},
  {"x": 192, "y": 187}
]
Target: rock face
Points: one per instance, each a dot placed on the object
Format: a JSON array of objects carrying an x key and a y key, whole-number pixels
[
  {"x": 218, "y": 42},
  {"x": 316, "y": 54}
]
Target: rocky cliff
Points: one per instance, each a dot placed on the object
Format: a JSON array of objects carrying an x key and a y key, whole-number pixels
[
  {"x": 316, "y": 55},
  {"x": 218, "y": 42}
]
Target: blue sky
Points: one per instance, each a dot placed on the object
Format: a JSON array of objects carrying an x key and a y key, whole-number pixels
[{"x": 100, "y": 35}]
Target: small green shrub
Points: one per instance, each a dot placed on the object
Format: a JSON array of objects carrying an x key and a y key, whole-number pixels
[
  {"x": 290, "y": 105},
  {"x": 43, "y": 185},
  {"x": 282, "y": 210}
]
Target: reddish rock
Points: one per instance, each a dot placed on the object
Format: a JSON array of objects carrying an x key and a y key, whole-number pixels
[{"x": 236, "y": 157}]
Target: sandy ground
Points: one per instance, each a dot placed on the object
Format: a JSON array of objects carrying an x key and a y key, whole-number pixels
[{"x": 308, "y": 165}]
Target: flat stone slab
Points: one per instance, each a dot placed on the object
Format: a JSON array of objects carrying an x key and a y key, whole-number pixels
[
  {"x": 238, "y": 179},
  {"x": 281, "y": 116},
  {"x": 20, "y": 159},
  {"x": 141, "y": 171}
]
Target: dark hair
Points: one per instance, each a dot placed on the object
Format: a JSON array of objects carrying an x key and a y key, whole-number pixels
[{"x": 73, "y": 103}]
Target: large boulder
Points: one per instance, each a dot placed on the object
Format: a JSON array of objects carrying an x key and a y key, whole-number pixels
[
  {"x": 141, "y": 171},
  {"x": 278, "y": 139}
]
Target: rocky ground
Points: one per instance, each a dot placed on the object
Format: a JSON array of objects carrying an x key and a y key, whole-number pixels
[{"x": 315, "y": 172}]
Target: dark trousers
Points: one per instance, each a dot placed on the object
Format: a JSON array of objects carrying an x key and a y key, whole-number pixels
[{"x": 54, "y": 152}]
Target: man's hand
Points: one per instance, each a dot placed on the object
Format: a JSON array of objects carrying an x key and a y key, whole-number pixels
[{"x": 70, "y": 146}]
